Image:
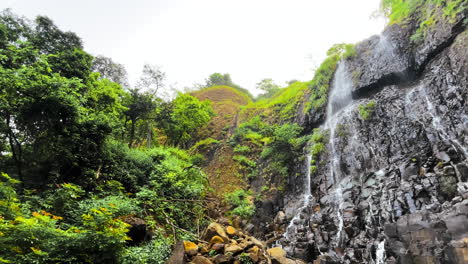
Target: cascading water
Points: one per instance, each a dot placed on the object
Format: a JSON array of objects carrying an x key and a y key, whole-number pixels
[
  {"x": 436, "y": 120},
  {"x": 380, "y": 253},
  {"x": 338, "y": 107},
  {"x": 293, "y": 226},
  {"x": 306, "y": 197},
  {"x": 338, "y": 102}
]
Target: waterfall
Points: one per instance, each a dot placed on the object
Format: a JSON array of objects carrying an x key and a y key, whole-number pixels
[
  {"x": 291, "y": 229},
  {"x": 380, "y": 253},
  {"x": 338, "y": 105},
  {"x": 436, "y": 119}
]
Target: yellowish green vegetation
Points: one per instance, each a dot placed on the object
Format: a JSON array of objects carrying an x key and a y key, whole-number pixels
[
  {"x": 366, "y": 110},
  {"x": 427, "y": 13},
  {"x": 320, "y": 84},
  {"x": 282, "y": 105}
]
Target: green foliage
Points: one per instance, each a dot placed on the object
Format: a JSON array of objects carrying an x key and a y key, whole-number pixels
[
  {"x": 366, "y": 110},
  {"x": 268, "y": 87},
  {"x": 240, "y": 203},
  {"x": 244, "y": 161},
  {"x": 188, "y": 114},
  {"x": 155, "y": 251},
  {"x": 401, "y": 11},
  {"x": 317, "y": 142},
  {"x": 284, "y": 102},
  {"x": 245, "y": 258},
  {"x": 242, "y": 149},
  {"x": 218, "y": 79},
  {"x": 39, "y": 237},
  {"x": 204, "y": 144}
]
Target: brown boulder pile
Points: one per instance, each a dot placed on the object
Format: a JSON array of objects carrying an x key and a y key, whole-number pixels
[{"x": 227, "y": 245}]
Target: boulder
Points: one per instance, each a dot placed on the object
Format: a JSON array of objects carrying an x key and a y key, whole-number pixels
[
  {"x": 177, "y": 255},
  {"x": 234, "y": 249},
  {"x": 214, "y": 229},
  {"x": 190, "y": 248},
  {"x": 201, "y": 260}
]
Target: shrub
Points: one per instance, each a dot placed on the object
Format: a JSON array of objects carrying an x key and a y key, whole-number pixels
[
  {"x": 155, "y": 251},
  {"x": 242, "y": 149},
  {"x": 366, "y": 110},
  {"x": 239, "y": 201}
]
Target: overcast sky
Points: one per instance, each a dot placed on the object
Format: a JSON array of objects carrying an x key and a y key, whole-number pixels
[{"x": 190, "y": 39}]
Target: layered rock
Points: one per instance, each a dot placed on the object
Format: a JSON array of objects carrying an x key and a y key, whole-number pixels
[{"x": 391, "y": 187}]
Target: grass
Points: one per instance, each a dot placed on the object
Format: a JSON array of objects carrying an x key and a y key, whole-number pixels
[
  {"x": 428, "y": 13},
  {"x": 283, "y": 105}
]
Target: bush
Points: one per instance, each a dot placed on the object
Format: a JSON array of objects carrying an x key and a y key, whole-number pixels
[
  {"x": 41, "y": 237},
  {"x": 366, "y": 110},
  {"x": 242, "y": 149},
  {"x": 155, "y": 251},
  {"x": 239, "y": 201}
]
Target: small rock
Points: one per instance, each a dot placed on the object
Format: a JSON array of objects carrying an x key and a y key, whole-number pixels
[
  {"x": 217, "y": 247},
  {"x": 177, "y": 255},
  {"x": 232, "y": 249},
  {"x": 190, "y": 248},
  {"x": 231, "y": 231},
  {"x": 221, "y": 259},
  {"x": 215, "y": 229},
  {"x": 216, "y": 240},
  {"x": 276, "y": 252},
  {"x": 201, "y": 260}
]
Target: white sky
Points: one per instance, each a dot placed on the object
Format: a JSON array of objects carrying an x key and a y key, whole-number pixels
[{"x": 191, "y": 39}]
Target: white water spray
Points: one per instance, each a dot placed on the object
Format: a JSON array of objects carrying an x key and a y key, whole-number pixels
[
  {"x": 380, "y": 253},
  {"x": 306, "y": 197},
  {"x": 338, "y": 104},
  {"x": 436, "y": 122}
]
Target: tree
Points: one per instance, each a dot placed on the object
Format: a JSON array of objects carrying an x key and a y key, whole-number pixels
[
  {"x": 110, "y": 70},
  {"x": 152, "y": 79},
  {"x": 268, "y": 87},
  {"x": 188, "y": 114},
  {"x": 140, "y": 106},
  {"x": 216, "y": 79}
]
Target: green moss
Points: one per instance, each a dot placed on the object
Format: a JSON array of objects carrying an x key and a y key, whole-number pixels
[
  {"x": 320, "y": 84},
  {"x": 400, "y": 11},
  {"x": 366, "y": 110},
  {"x": 350, "y": 51}
]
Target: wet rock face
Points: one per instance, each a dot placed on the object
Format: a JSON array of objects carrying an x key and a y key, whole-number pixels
[
  {"x": 399, "y": 190},
  {"x": 393, "y": 58}
]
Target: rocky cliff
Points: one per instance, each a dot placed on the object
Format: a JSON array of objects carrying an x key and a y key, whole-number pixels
[{"x": 392, "y": 184}]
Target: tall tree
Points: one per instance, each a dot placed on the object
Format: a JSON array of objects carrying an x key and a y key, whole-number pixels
[
  {"x": 268, "y": 87},
  {"x": 110, "y": 70},
  {"x": 152, "y": 79}
]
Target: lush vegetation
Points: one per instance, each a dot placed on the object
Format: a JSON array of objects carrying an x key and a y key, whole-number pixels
[
  {"x": 81, "y": 152},
  {"x": 366, "y": 110},
  {"x": 320, "y": 84},
  {"x": 240, "y": 203},
  {"x": 425, "y": 12}
]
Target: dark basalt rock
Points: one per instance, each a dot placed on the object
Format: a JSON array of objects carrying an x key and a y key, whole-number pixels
[
  {"x": 393, "y": 59},
  {"x": 403, "y": 172}
]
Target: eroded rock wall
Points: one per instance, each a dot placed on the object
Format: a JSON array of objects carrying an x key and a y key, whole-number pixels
[{"x": 401, "y": 180}]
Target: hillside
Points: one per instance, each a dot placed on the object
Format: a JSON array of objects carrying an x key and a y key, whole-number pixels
[{"x": 365, "y": 162}]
